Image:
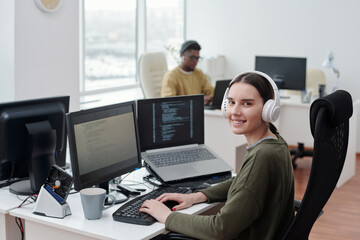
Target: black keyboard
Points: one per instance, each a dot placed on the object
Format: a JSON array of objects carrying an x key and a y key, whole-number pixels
[{"x": 129, "y": 212}]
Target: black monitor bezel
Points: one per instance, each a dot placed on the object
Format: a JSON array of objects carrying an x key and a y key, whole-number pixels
[
  {"x": 97, "y": 177},
  {"x": 30, "y": 109},
  {"x": 144, "y": 118},
  {"x": 276, "y": 62}
]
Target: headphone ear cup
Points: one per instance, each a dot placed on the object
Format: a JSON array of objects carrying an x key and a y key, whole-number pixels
[
  {"x": 224, "y": 102},
  {"x": 270, "y": 111}
]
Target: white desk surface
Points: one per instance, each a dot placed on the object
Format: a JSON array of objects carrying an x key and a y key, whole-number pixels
[
  {"x": 8, "y": 201},
  {"x": 104, "y": 228}
]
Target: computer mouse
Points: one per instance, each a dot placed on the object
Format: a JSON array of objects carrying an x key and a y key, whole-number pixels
[{"x": 171, "y": 204}]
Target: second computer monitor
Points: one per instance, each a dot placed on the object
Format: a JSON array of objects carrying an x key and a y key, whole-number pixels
[
  {"x": 171, "y": 121},
  {"x": 103, "y": 144},
  {"x": 287, "y": 72}
]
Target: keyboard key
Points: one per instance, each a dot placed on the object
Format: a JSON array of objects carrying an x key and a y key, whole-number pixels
[{"x": 180, "y": 157}]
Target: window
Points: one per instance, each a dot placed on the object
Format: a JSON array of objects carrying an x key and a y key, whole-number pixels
[
  {"x": 115, "y": 34},
  {"x": 165, "y": 28},
  {"x": 109, "y": 44}
]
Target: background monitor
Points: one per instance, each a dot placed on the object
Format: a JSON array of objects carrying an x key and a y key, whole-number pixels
[
  {"x": 287, "y": 72},
  {"x": 32, "y": 139},
  {"x": 103, "y": 145}
]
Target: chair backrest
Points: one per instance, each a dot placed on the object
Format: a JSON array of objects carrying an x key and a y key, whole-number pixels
[
  {"x": 329, "y": 122},
  {"x": 152, "y": 67},
  {"x": 314, "y": 77}
]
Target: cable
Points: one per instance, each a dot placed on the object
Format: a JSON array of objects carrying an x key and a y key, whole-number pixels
[
  {"x": 32, "y": 197},
  {"x": 18, "y": 220},
  {"x": 20, "y": 226}
]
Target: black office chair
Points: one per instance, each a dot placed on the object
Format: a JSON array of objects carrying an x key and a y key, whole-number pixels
[{"x": 329, "y": 123}]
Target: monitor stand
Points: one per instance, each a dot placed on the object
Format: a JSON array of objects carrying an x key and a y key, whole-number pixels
[
  {"x": 284, "y": 94},
  {"x": 119, "y": 197},
  {"x": 22, "y": 188}
]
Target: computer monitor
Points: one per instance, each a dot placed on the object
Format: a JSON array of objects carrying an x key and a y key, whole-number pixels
[
  {"x": 103, "y": 145},
  {"x": 287, "y": 72},
  {"x": 32, "y": 139}
]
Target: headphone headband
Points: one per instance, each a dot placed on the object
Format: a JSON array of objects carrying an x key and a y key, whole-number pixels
[{"x": 271, "y": 109}]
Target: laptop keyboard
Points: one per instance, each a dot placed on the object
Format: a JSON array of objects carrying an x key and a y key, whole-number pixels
[
  {"x": 180, "y": 157},
  {"x": 129, "y": 212}
]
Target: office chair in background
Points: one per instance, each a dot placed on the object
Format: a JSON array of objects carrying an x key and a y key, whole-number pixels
[
  {"x": 329, "y": 123},
  {"x": 152, "y": 67},
  {"x": 314, "y": 78}
]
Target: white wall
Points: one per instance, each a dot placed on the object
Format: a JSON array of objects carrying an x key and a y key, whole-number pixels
[
  {"x": 44, "y": 52},
  {"x": 241, "y": 29},
  {"x": 7, "y": 90}
]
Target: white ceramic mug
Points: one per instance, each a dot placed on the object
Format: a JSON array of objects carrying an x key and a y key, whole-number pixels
[{"x": 93, "y": 200}]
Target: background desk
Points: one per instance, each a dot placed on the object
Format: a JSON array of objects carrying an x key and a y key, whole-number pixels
[
  {"x": 293, "y": 125},
  {"x": 77, "y": 227}
]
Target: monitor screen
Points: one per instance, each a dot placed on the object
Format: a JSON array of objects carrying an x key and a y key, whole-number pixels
[
  {"x": 103, "y": 144},
  {"x": 32, "y": 138},
  {"x": 287, "y": 72},
  {"x": 171, "y": 121}
]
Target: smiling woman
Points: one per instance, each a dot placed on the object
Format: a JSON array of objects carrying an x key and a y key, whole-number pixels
[{"x": 259, "y": 201}]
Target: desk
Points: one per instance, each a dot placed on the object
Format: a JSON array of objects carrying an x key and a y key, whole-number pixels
[
  {"x": 77, "y": 227},
  {"x": 8, "y": 227}
]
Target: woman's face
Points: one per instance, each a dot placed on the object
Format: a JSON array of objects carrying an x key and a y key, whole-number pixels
[{"x": 244, "y": 111}]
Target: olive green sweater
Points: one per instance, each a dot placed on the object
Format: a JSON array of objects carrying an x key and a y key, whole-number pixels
[
  {"x": 259, "y": 200},
  {"x": 176, "y": 83}
]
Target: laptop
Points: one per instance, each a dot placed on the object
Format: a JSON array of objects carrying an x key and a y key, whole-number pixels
[
  {"x": 168, "y": 127},
  {"x": 219, "y": 91}
]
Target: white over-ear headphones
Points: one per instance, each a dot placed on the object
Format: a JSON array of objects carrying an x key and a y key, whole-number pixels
[{"x": 271, "y": 109}]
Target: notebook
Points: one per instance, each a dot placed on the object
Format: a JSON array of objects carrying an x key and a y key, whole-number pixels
[
  {"x": 171, "y": 125},
  {"x": 220, "y": 87}
]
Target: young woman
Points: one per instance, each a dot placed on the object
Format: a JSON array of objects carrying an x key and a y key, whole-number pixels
[{"x": 259, "y": 201}]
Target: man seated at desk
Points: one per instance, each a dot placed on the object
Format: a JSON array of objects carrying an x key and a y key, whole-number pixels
[{"x": 186, "y": 79}]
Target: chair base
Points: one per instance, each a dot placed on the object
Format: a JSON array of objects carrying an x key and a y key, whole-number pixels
[{"x": 299, "y": 152}]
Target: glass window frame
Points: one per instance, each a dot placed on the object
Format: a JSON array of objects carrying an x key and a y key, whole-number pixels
[{"x": 140, "y": 45}]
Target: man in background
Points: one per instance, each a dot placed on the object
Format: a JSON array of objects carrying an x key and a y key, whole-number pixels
[{"x": 186, "y": 79}]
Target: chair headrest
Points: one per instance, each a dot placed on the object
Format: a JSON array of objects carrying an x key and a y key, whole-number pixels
[{"x": 338, "y": 105}]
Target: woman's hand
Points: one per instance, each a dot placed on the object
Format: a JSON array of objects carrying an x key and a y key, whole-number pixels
[
  {"x": 156, "y": 209},
  {"x": 184, "y": 200}
]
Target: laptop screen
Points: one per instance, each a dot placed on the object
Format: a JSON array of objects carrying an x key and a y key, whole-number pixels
[
  {"x": 220, "y": 88},
  {"x": 170, "y": 121}
]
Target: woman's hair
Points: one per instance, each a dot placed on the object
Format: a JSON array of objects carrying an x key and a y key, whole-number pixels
[{"x": 261, "y": 84}]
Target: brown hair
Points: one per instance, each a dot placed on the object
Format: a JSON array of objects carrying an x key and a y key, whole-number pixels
[{"x": 263, "y": 86}]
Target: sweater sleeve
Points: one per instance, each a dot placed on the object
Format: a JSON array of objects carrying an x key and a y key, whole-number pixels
[
  {"x": 207, "y": 88},
  {"x": 168, "y": 87},
  {"x": 240, "y": 210},
  {"x": 218, "y": 193}
]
